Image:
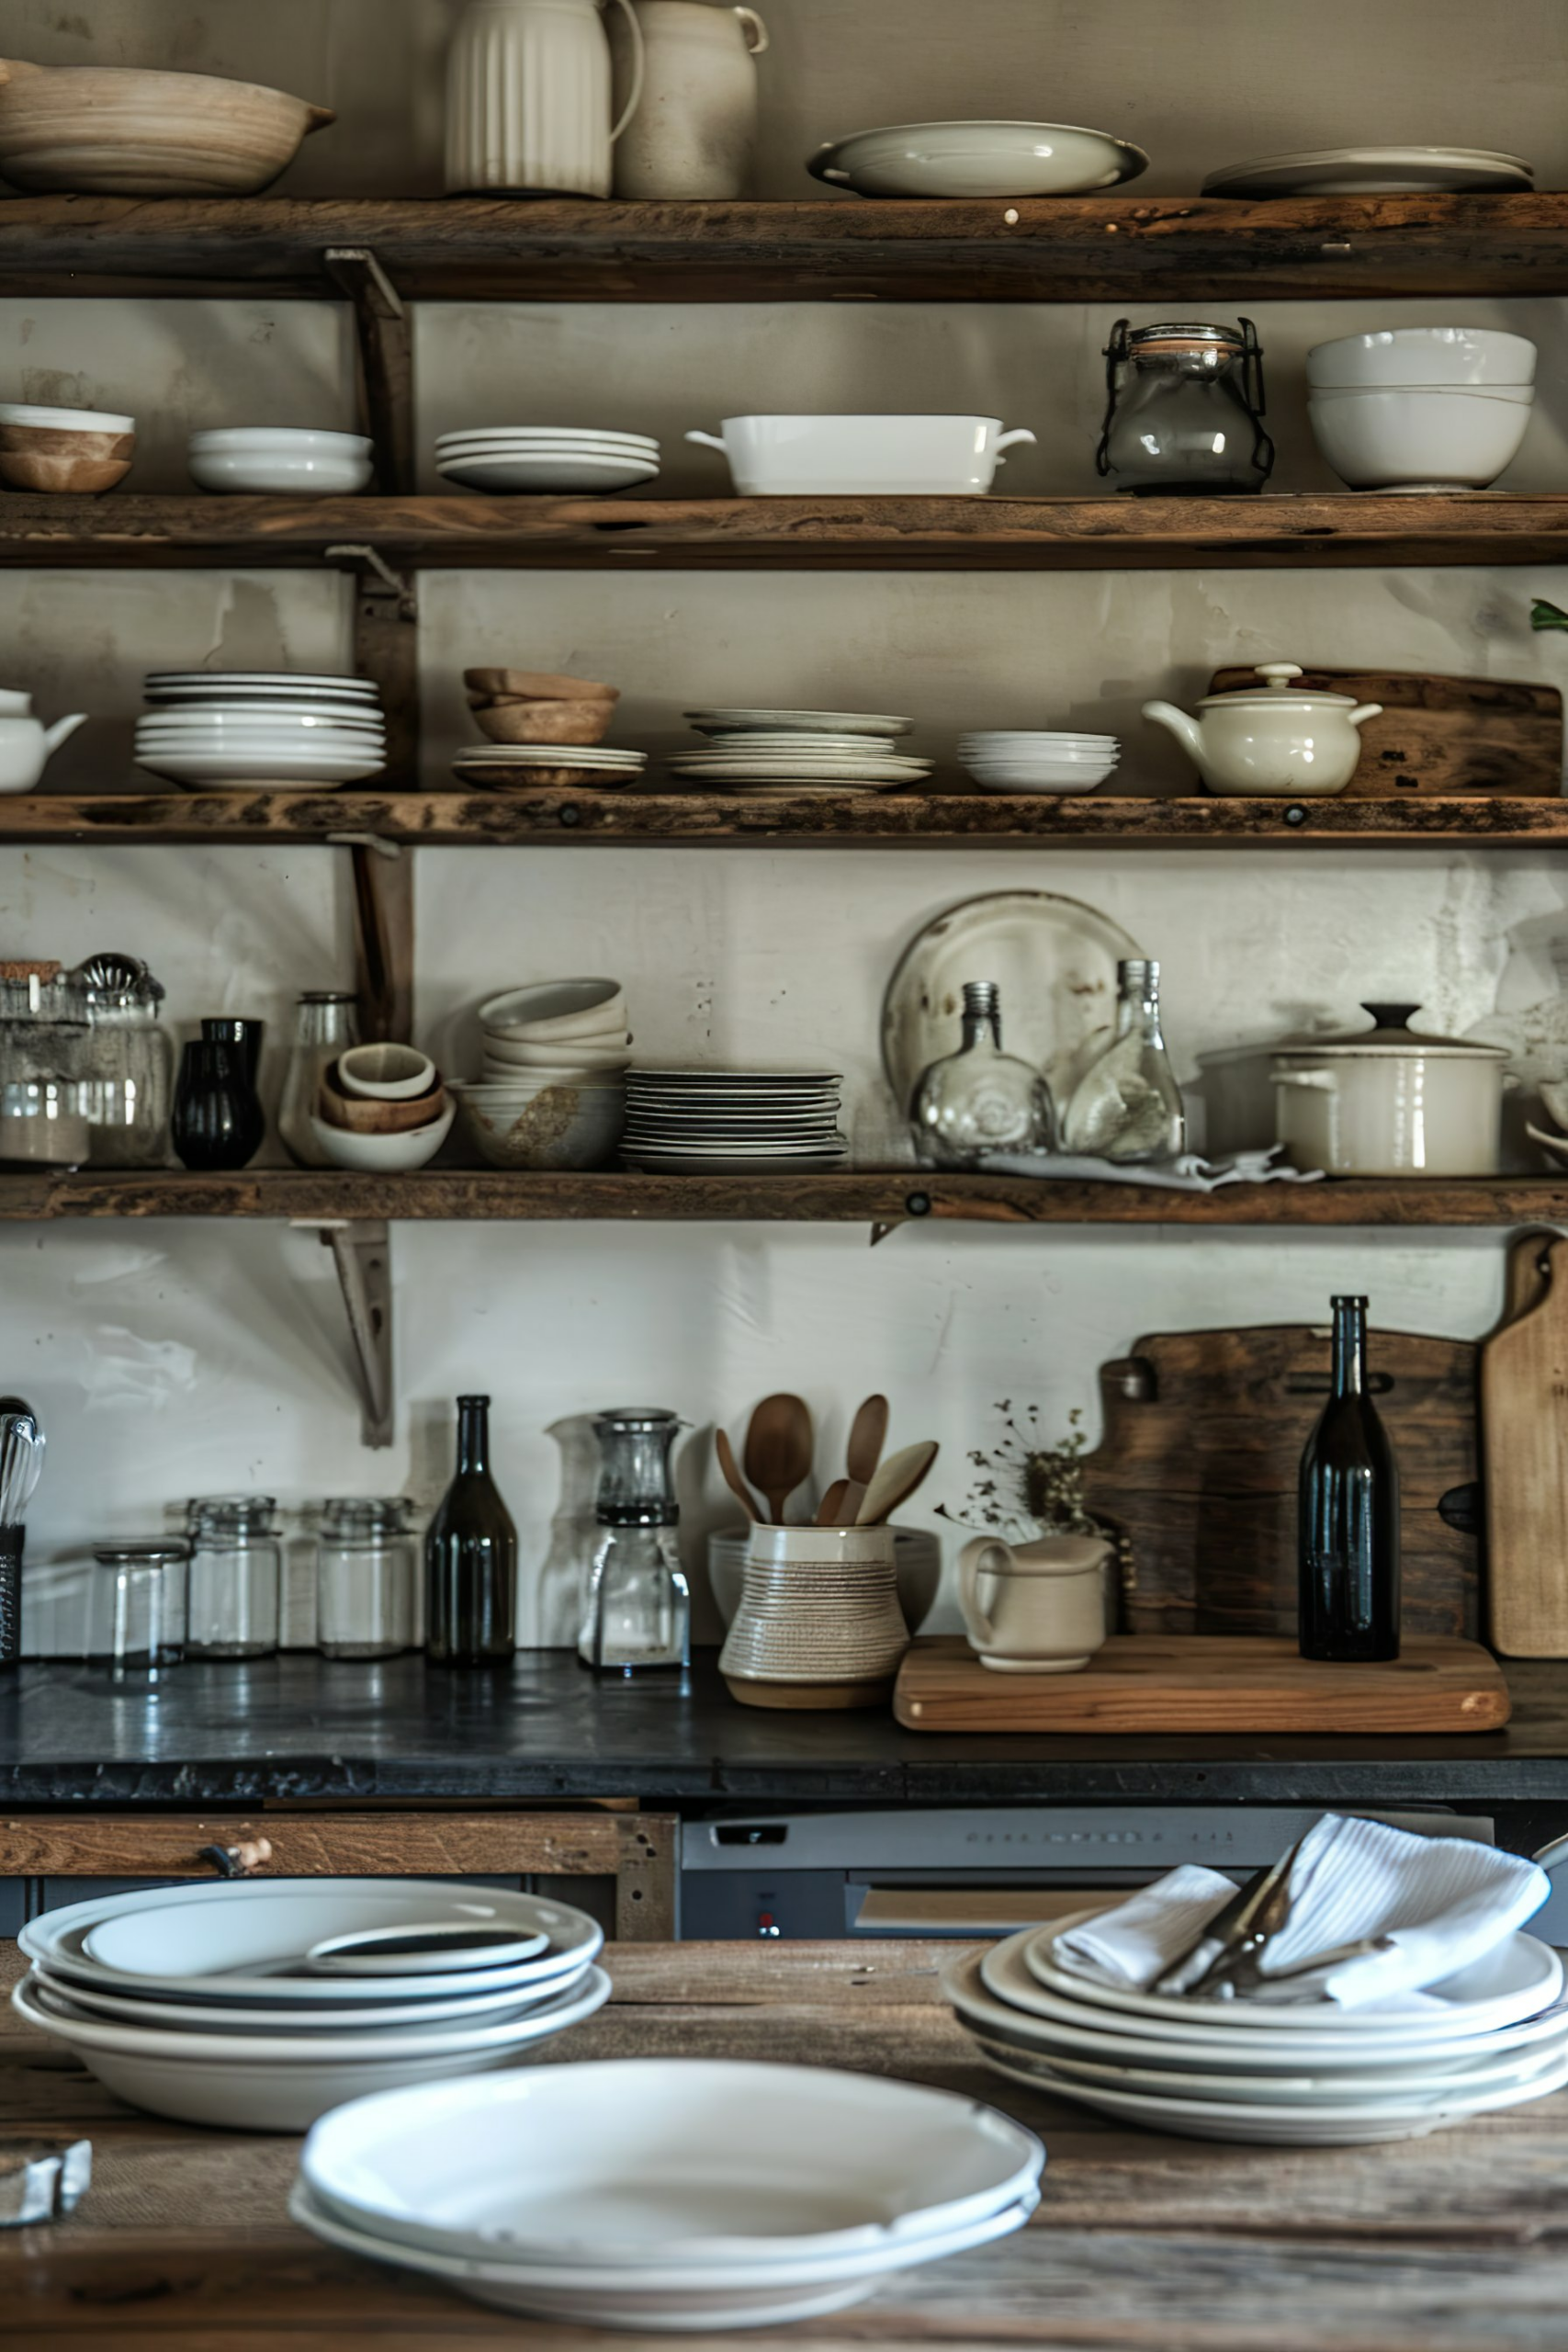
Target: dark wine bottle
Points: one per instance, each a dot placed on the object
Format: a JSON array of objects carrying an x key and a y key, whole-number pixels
[
  {"x": 470, "y": 1558},
  {"x": 1347, "y": 1551}
]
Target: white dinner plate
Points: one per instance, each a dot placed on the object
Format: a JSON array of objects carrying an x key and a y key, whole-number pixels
[
  {"x": 837, "y": 723},
  {"x": 261, "y": 680},
  {"x": 551, "y": 755},
  {"x": 752, "y": 1079},
  {"x": 237, "y": 768},
  {"x": 252, "y": 739},
  {"x": 498, "y": 476},
  {"x": 597, "y": 452},
  {"x": 529, "y": 435},
  {"x": 194, "y": 2016},
  {"x": 1375, "y": 171}
]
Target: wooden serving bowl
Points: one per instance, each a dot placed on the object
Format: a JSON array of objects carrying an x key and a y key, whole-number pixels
[
  {"x": 546, "y": 723},
  {"x": 365, "y": 1115},
  {"x": 44, "y": 456},
  {"x": 535, "y": 685}
]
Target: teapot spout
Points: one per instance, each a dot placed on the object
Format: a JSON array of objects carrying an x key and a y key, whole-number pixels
[
  {"x": 1185, "y": 730},
  {"x": 61, "y": 732}
]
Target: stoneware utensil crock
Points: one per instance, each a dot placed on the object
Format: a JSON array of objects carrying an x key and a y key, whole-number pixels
[{"x": 819, "y": 1623}]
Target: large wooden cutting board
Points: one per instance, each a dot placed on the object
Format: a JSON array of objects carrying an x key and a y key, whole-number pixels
[
  {"x": 1199, "y": 1461},
  {"x": 1145, "y": 1682},
  {"x": 1444, "y": 735},
  {"x": 1524, "y": 1406}
]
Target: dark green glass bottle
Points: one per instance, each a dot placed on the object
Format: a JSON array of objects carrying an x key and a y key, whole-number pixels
[
  {"x": 470, "y": 1558},
  {"x": 1348, "y": 1514}
]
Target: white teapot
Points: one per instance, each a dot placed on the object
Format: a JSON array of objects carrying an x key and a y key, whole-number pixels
[
  {"x": 1272, "y": 740},
  {"x": 26, "y": 744}
]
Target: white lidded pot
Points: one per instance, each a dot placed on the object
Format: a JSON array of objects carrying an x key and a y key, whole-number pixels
[
  {"x": 27, "y": 745},
  {"x": 528, "y": 98},
  {"x": 1390, "y": 1101},
  {"x": 695, "y": 134},
  {"x": 1273, "y": 741}
]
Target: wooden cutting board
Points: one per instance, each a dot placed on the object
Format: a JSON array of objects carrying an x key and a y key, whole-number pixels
[
  {"x": 1153, "y": 1682},
  {"x": 1444, "y": 735},
  {"x": 1198, "y": 1462},
  {"x": 1524, "y": 1409}
]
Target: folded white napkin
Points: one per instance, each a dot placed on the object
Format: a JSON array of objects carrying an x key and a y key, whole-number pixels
[{"x": 1442, "y": 1903}]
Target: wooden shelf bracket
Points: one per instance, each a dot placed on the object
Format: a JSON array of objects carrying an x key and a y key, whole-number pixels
[{"x": 363, "y": 1256}]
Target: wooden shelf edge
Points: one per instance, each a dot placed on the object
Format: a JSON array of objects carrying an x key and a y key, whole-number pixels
[{"x": 887, "y": 1198}]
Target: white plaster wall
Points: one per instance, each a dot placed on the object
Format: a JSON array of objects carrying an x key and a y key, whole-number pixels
[{"x": 171, "y": 1359}]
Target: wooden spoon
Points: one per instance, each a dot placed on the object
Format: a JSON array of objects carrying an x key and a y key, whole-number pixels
[
  {"x": 778, "y": 1450},
  {"x": 732, "y": 1477},
  {"x": 868, "y": 1435},
  {"x": 895, "y": 1483},
  {"x": 830, "y": 1512}
]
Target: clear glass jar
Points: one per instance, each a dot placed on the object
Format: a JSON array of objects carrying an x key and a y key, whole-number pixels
[
  {"x": 368, "y": 1579},
  {"x": 637, "y": 1606},
  {"x": 44, "y": 1123},
  {"x": 1184, "y": 410},
  {"x": 980, "y": 1100},
  {"x": 236, "y": 1577},
  {"x": 1127, "y": 1106},
  {"x": 138, "y": 1613},
  {"x": 326, "y": 1024},
  {"x": 130, "y": 1059}
]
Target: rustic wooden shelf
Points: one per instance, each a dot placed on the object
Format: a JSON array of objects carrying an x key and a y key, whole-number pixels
[
  {"x": 887, "y": 1198},
  {"x": 454, "y": 531},
  {"x": 944, "y": 818},
  {"x": 1101, "y": 248}
]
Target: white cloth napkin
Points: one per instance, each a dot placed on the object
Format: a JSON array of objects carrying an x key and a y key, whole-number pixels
[{"x": 1443, "y": 1903}]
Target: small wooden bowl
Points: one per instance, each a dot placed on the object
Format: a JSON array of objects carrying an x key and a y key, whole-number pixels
[
  {"x": 36, "y": 457},
  {"x": 546, "y": 723},
  {"x": 362, "y": 1116},
  {"x": 535, "y": 686}
]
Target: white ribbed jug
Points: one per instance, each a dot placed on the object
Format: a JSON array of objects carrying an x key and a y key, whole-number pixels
[{"x": 528, "y": 98}]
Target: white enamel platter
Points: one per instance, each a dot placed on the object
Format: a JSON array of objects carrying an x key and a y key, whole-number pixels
[
  {"x": 1375, "y": 171},
  {"x": 1518, "y": 1979},
  {"x": 1054, "y": 961}
]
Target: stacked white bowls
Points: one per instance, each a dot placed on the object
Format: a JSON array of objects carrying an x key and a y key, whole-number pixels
[
  {"x": 266, "y": 459},
  {"x": 1421, "y": 408},
  {"x": 1038, "y": 760},
  {"x": 260, "y": 2004},
  {"x": 552, "y": 1089},
  {"x": 667, "y": 2194}
]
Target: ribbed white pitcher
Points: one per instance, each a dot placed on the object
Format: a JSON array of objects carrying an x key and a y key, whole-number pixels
[{"x": 528, "y": 98}]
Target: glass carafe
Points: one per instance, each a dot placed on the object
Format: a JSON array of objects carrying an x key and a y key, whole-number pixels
[
  {"x": 326, "y": 1024},
  {"x": 1184, "y": 410},
  {"x": 638, "y": 1607},
  {"x": 980, "y": 1100},
  {"x": 1127, "y": 1107},
  {"x": 131, "y": 1060}
]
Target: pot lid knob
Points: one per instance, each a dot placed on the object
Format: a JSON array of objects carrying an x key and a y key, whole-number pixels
[
  {"x": 1391, "y": 1017},
  {"x": 1279, "y": 673}
]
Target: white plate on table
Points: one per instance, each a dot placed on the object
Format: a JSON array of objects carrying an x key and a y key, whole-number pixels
[
  {"x": 1375, "y": 171},
  {"x": 191, "y": 2017}
]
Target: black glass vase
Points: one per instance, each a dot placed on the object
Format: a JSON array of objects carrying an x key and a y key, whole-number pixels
[{"x": 218, "y": 1122}]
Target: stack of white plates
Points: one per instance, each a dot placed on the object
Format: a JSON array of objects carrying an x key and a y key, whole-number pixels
[
  {"x": 821, "y": 752},
  {"x": 508, "y": 767},
  {"x": 279, "y": 727},
  {"x": 1039, "y": 760},
  {"x": 220, "y": 2003},
  {"x": 668, "y": 2194},
  {"x": 1299, "y": 2076},
  {"x": 691, "y": 1121},
  {"x": 504, "y": 457}
]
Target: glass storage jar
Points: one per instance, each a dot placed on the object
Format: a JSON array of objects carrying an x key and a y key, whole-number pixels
[
  {"x": 326, "y": 1024},
  {"x": 130, "y": 1061},
  {"x": 138, "y": 1613},
  {"x": 45, "y": 1064},
  {"x": 235, "y": 1587},
  {"x": 1184, "y": 410},
  {"x": 368, "y": 1579}
]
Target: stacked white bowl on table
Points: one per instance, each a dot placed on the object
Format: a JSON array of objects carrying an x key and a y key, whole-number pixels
[
  {"x": 1413, "y": 409},
  {"x": 823, "y": 753},
  {"x": 1038, "y": 760},
  {"x": 1286, "y": 2075},
  {"x": 285, "y": 729},
  {"x": 714, "y": 1122},
  {"x": 551, "y": 1092},
  {"x": 500, "y": 460},
  {"x": 679, "y": 2194},
  {"x": 201, "y": 2002}
]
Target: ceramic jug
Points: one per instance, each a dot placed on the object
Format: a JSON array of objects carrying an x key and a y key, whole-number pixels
[
  {"x": 528, "y": 98},
  {"x": 1047, "y": 1612},
  {"x": 695, "y": 134},
  {"x": 26, "y": 744}
]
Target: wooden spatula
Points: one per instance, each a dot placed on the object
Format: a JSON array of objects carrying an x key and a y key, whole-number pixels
[
  {"x": 778, "y": 1450},
  {"x": 895, "y": 1483},
  {"x": 868, "y": 1435}
]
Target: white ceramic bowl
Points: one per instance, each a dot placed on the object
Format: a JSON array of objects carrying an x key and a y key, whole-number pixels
[
  {"x": 504, "y": 1078},
  {"x": 567, "y": 1123},
  {"x": 578, "y": 1054},
  {"x": 265, "y": 459},
  {"x": 977, "y": 159},
  {"x": 781, "y": 457},
  {"x": 656, "y": 2161},
  {"x": 1418, "y": 439},
  {"x": 385, "y": 1073},
  {"x": 550, "y": 1010},
  {"x": 1397, "y": 356},
  {"x": 383, "y": 1155}
]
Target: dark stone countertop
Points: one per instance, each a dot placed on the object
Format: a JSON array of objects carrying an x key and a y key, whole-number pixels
[{"x": 300, "y": 1726}]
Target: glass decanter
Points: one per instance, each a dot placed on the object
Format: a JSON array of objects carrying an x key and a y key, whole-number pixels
[
  {"x": 1127, "y": 1107},
  {"x": 980, "y": 1100},
  {"x": 638, "y": 1607}
]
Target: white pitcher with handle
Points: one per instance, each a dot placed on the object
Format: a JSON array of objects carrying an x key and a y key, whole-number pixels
[
  {"x": 528, "y": 98},
  {"x": 1047, "y": 1610},
  {"x": 694, "y": 136}
]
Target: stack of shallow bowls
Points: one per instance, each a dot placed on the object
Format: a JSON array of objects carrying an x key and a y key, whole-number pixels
[
  {"x": 500, "y": 459},
  {"x": 82, "y": 451},
  {"x": 260, "y": 2004},
  {"x": 667, "y": 2193},
  {"x": 261, "y": 459},
  {"x": 552, "y": 1092},
  {"x": 286, "y": 729},
  {"x": 1298, "y": 2075},
  {"x": 697, "y": 1122},
  {"x": 382, "y": 1108},
  {"x": 1421, "y": 408},
  {"x": 1039, "y": 760},
  {"x": 820, "y": 754}
]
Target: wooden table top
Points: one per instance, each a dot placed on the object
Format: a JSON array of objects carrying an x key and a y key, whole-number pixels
[{"x": 1141, "y": 2244}]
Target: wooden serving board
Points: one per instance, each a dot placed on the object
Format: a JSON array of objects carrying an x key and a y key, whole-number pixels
[
  {"x": 1188, "y": 1682},
  {"x": 1524, "y": 1391},
  {"x": 1444, "y": 735},
  {"x": 1198, "y": 1462}
]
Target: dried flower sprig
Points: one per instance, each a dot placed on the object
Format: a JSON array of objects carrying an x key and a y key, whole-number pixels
[{"x": 1026, "y": 1488}]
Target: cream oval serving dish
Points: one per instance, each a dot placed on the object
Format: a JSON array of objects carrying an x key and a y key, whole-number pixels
[{"x": 977, "y": 159}]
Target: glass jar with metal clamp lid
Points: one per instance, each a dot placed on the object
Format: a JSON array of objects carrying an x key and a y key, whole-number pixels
[{"x": 1184, "y": 410}]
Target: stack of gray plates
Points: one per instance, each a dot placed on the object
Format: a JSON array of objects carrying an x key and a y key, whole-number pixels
[
  {"x": 820, "y": 754},
  {"x": 695, "y": 1121}
]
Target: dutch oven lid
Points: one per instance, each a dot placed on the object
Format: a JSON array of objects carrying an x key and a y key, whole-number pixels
[{"x": 1391, "y": 1032}]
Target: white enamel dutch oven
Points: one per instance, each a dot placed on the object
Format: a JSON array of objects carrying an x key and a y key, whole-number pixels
[{"x": 1389, "y": 1101}]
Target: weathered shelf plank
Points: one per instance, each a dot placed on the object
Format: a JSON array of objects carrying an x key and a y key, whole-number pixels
[
  {"x": 887, "y": 1198},
  {"x": 455, "y": 530},
  {"x": 1093, "y": 248}
]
